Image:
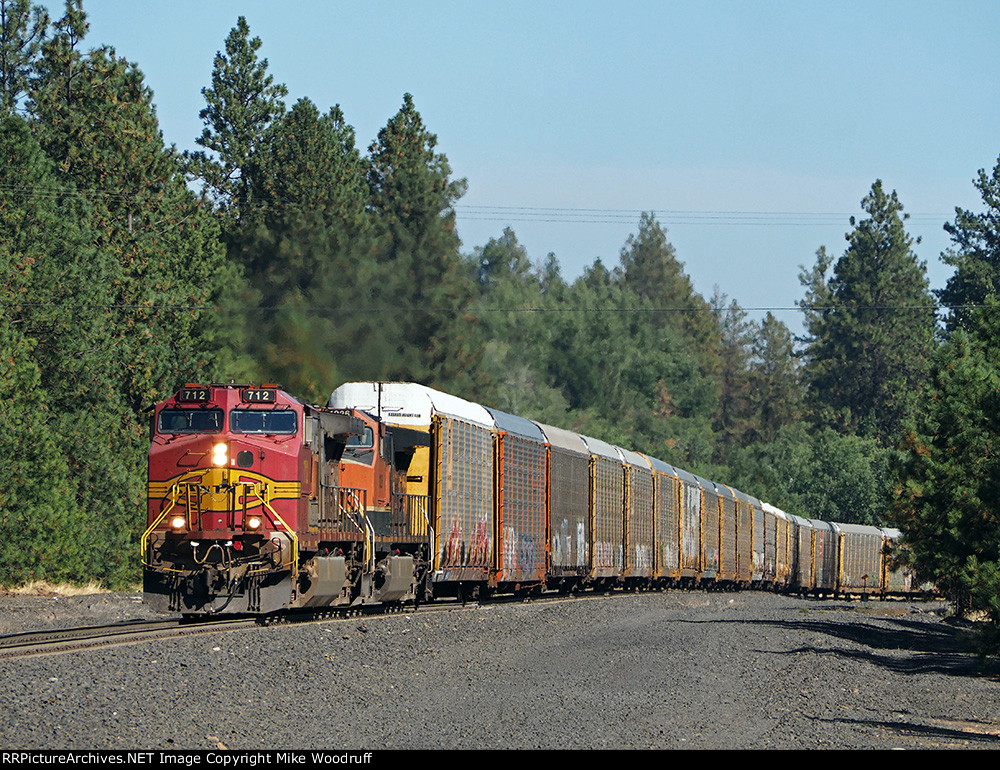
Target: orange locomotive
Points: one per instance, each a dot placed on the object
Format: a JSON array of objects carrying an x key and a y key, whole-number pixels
[{"x": 258, "y": 502}]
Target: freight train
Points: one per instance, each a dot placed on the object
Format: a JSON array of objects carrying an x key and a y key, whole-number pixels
[{"x": 395, "y": 493}]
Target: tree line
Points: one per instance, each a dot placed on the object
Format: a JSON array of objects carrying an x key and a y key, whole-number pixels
[{"x": 277, "y": 250}]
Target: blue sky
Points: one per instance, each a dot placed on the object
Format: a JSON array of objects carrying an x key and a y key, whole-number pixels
[{"x": 769, "y": 120}]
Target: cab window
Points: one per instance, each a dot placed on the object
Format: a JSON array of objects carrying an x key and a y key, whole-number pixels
[
  {"x": 364, "y": 441},
  {"x": 189, "y": 421},
  {"x": 361, "y": 449},
  {"x": 262, "y": 421}
]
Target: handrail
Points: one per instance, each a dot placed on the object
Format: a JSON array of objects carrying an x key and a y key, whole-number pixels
[
  {"x": 364, "y": 525},
  {"x": 144, "y": 541},
  {"x": 265, "y": 500}
]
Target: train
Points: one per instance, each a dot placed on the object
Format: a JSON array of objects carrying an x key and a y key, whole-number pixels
[{"x": 394, "y": 493}]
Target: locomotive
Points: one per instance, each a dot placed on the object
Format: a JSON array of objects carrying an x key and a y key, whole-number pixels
[
  {"x": 258, "y": 502},
  {"x": 396, "y": 493}
]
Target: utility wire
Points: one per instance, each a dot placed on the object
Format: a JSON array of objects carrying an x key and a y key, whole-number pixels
[{"x": 356, "y": 310}]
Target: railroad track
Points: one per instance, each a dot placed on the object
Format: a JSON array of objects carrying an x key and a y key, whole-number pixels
[{"x": 60, "y": 640}]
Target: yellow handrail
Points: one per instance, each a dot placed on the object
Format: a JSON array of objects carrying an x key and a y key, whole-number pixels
[
  {"x": 292, "y": 535},
  {"x": 144, "y": 542}
]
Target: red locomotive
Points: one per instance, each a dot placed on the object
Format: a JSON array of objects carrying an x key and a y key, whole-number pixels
[{"x": 258, "y": 502}]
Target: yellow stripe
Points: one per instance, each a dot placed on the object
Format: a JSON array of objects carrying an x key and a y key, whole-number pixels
[{"x": 213, "y": 477}]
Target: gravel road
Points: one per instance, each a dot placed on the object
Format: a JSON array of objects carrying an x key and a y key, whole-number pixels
[{"x": 648, "y": 671}]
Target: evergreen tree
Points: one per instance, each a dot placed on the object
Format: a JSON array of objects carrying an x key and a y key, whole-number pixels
[
  {"x": 946, "y": 503},
  {"x": 774, "y": 380},
  {"x": 650, "y": 270},
  {"x": 411, "y": 199},
  {"x": 156, "y": 247},
  {"x": 818, "y": 298},
  {"x": 516, "y": 340},
  {"x": 819, "y": 475},
  {"x": 869, "y": 349},
  {"x": 975, "y": 254},
  {"x": 241, "y": 105},
  {"x": 734, "y": 419},
  {"x": 51, "y": 358},
  {"x": 311, "y": 163},
  {"x": 22, "y": 32}
]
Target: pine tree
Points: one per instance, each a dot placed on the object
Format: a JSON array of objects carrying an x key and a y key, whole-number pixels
[
  {"x": 869, "y": 348},
  {"x": 22, "y": 32},
  {"x": 45, "y": 357},
  {"x": 946, "y": 502},
  {"x": 241, "y": 105},
  {"x": 411, "y": 197},
  {"x": 311, "y": 163},
  {"x": 735, "y": 418},
  {"x": 651, "y": 270},
  {"x": 975, "y": 254},
  {"x": 775, "y": 378}
]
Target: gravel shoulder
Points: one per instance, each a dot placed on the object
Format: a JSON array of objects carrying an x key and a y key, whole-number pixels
[{"x": 639, "y": 671}]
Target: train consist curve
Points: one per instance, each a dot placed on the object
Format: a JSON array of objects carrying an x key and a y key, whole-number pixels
[{"x": 397, "y": 493}]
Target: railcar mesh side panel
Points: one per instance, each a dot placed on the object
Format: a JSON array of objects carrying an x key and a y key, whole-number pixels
[
  {"x": 668, "y": 546},
  {"x": 690, "y": 527},
  {"x": 807, "y": 569},
  {"x": 464, "y": 495},
  {"x": 826, "y": 559},
  {"x": 639, "y": 554},
  {"x": 861, "y": 561},
  {"x": 710, "y": 534},
  {"x": 522, "y": 509},
  {"x": 744, "y": 541},
  {"x": 782, "y": 548},
  {"x": 569, "y": 509},
  {"x": 770, "y": 546},
  {"x": 793, "y": 552},
  {"x": 728, "y": 537},
  {"x": 607, "y": 514},
  {"x": 758, "y": 544}
]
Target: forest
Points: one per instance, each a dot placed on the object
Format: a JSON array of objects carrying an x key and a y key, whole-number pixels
[{"x": 279, "y": 251}]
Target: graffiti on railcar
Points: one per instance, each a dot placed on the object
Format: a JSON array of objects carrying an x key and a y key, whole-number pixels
[
  {"x": 480, "y": 545},
  {"x": 561, "y": 545},
  {"x": 459, "y": 553},
  {"x": 643, "y": 558},
  {"x": 605, "y": 553}
]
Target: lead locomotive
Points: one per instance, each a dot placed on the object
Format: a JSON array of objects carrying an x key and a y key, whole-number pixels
[{"x": 258, "y": 502}]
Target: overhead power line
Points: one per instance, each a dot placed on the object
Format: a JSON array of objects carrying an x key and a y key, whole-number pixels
[
  {"x": 547, "y": 214},
  {"x": 378, "y": 309},
  {"x": 556, "y": 214}
]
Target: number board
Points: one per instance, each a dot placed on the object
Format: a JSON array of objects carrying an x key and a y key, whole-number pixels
[
  {"x": 194, "y": 395},
  {"x": 260, "y": 395}
]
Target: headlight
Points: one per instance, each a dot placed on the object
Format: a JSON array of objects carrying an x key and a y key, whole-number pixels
[
  {"x": 254, "y": 522},
  {"x": 178, "y": 522},
  {"x": 220, "y": 455}
]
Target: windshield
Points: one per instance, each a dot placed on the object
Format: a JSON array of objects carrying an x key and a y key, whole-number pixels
[
  {"x": 367, "y": 441},
  {"x": 262, "y": 421},
  {"x": 189, "y": 421}
]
